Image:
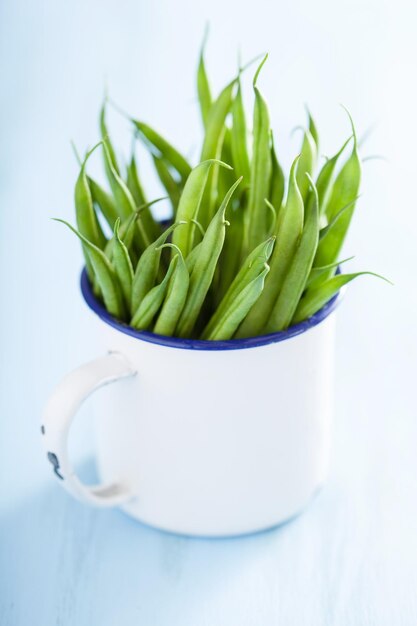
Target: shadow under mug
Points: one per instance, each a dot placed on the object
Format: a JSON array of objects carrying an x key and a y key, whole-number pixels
[{"x": 206, "y": 438}]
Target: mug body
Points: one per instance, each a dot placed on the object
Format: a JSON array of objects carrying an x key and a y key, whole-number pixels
[{"x": 223, "y": 439}]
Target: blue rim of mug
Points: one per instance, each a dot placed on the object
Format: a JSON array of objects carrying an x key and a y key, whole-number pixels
[{"x": 203, "y": 344}]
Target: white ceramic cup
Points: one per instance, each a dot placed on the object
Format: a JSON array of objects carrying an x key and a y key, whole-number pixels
[{"x": 202, "y": 438}]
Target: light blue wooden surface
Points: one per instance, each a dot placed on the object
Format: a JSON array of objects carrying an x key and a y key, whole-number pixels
[{"x": 351, "y": 558}]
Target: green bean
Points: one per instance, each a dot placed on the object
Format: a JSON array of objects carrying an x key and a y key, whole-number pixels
[
  {"x": 238, "y": 141},
  {"x": 333, "y": 235},
  {"x": 192, "y": 257},
  {"x": 124, "y": 199},
  {"x": 225, "y": 176},
  {"x": 257, "y": 215},
  {"x": 231, "y": 256},
  {"x": 215, "y": 123},
  {"x": 164, "y": 149},
  {"x": 320, "y": 274},
  {"x": 147, "y": 268},
  {"x": 100, "y": 197},
  {"x": 105, "y": 275},
  {"x": 122, "y": 264},
  {"x": 313, "y": 130},
  {"x": 289, "y": 229},
  {"x": 325, "y": 179},
  {"x": 203, "y": 86},
  {"x": 133, "y": 182},
  {"x": 345, "y": 188},
  {"x": 253, "y": 265},
  {"x": 299, "y": 270},
  {"x": 152, "y": 301},
  {"x": 175, "y": 298},
  {"x": 173, "y": 188},
  {"x": 190, "y": 202},
  {"x": 276, "y": 192},
  {"x": 307, "y": 163},
  {"x": 127, "y": 230},
  {"x": 274, "y": 218},
  {"x": 86, "y": 217},
  {"x": 238, "y": 309},
  {"x": 315, "y": 299},
  {"x": 151, "y": 227},
  {"x": 104, "y": 202},
  {"x": 212, "y": 147},
  {"x": 106, "y": 137},
  {"x": 87, "y": 221},
  {"x": 205, "y": 265}
]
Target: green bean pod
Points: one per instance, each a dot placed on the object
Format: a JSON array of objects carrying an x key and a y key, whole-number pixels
[
  {"x": 106, "y": 276},
  {"x": 127, "y": 228},
  {"x": 250, "y": 270},
  {"x": 277, "y": 189},
  {"x": 307, "y": 163},
  {"x": 238, "y": 308},
  {"x": 124, "y": 199},
  {"x": 346, "y": 186},
  {"x": 296, "y": 278},
  {"x": 152, "y": 301},
  {"x": 288, "y": 232},
  {"x": 104, "y": 202},
  {"x": 313, "y": 129},
  {"x": 147, "y": 268},
  {"x": 212, "y": 148},
  {"x": 86, "y": 217},
  {"x": 230, "y": 260},
  {"x": 319, "y": 275},
  {"x": 122, "y": 264},
  {"x": 340, "y": 208},
  {"x": 274, "y": 217},
  {"x": 133, "y": 182},
  {"x": 316, "y": 298},
  {"x": 175, "y": 298},
  {"x": 106, "y": 137},
  {"x": 192, "y": 257},
  {"x": 156, "y": 142},
  {"x": 261, "y": 168},
  {"x": 238, "y": 140},
  {"x": 204, "y": 268},
  {"x": 225, "y": 176},
  {"x": 203, "y": 86},
  {"x": 190, "y": 203},
  {"x": 325, "y": 179}
]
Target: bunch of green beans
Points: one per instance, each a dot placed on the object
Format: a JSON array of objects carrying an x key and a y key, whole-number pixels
[{"x": 246, "y": 253}]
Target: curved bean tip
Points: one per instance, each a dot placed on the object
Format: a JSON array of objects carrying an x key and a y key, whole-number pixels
[
  {"x": 249, "y": 63},
  {"x": 297, "y": 128},
  {"x": 90, "y": 152},
  {"x": 218, "y": 162},
  {"x": 205, "y": 39},
  {"x": 351, "y": 123},
  {"x": 117, "y": 226},
  {"x": 226, "y": 222},
  {"x": 294, "y": 166},
  {"x": 255, "y": 78},
  {"x": 75, "y": 151}
]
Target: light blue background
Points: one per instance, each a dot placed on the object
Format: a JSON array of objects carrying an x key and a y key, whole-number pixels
[{"x": 351, "y": 559}]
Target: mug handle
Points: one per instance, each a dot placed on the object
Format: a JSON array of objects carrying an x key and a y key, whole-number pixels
[{"x": 59, "y": 412}]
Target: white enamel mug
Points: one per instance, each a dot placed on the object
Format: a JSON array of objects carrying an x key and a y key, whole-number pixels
[{"x": 197, "y": 437}]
